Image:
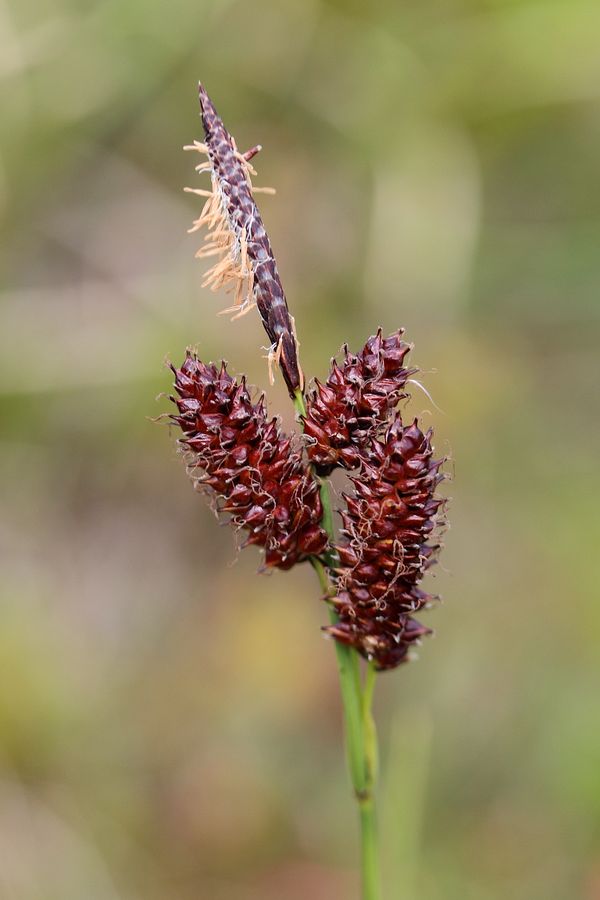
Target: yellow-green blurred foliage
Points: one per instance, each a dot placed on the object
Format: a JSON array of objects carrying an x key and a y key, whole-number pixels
[{"x": 169, "y": 721}]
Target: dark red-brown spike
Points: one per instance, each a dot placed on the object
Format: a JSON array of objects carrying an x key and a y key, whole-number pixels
[
  {"x": 233, "y": 451},
  {"x": 345, "y": 414},
  {"x": 385, "y": 547}
]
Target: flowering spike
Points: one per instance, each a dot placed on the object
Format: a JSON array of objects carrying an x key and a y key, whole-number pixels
[
  {"x": 385, "y": 549},
  {"x": 237, "y": 238},
  {"x": 346, "y": 412},
  {"x": 247, "y": 463}
]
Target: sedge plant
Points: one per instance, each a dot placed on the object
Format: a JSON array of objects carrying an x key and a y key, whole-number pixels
[{"x": 274, "y": 487}]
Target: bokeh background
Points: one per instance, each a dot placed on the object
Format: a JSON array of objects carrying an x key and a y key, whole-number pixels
[{"x": 169, "y": 721}]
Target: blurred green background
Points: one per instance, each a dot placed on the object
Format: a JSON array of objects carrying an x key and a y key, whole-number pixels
[{"x": 169, "y": 721}]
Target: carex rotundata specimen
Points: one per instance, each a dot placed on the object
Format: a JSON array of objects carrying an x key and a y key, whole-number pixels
[{"x": 273, "y": 487}]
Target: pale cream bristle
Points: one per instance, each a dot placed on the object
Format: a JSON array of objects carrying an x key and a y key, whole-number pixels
[
  {"x": 197, "y": 145},
  {"x": 199, "y": 191},
  {"x": 270, "y": 361},
  {"x": 273, "y": 358},
  {"x": 231, "y": 269},
  {"x": 245, "y": 309}
]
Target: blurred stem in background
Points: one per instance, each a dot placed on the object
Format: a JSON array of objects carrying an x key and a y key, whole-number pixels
[
  {"x": 359, "y": 725},
  {"x": 404, "y": 800}
]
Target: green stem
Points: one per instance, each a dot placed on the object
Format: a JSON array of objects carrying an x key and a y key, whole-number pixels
[
  {"x": 351, "y": 698},
  {"x": 371, "y": 755},
  {"x": 369, "y": 851},
  {"x": 369, "y": 843},
  {"x": 299, "y": 404},
  {"x": 361, "y": 736}
]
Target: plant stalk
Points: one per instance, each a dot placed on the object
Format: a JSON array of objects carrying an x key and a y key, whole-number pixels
[{"x": 359, "y": 726}]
